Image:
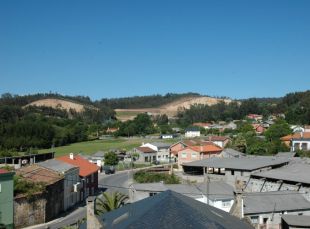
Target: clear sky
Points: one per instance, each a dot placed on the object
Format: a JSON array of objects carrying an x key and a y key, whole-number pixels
[{"x": 120, "y": 48}]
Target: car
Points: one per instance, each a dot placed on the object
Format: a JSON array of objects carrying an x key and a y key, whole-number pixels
[{"x": 109, "y": 169}]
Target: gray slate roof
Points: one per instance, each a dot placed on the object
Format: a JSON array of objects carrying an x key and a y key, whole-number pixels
[
  {"x": 233, "y": 153},
  {"x": 161, "y": 145},
  {"x": 98, "y": 154},
  {"x": 298, "y": 173},
  {"x": 56, "y": 165},
  {"x": 170, "y": 210},
  {"x": 266, "y": 202},
  {"x": 245, "y": 163},
  {"x": 217, "y": 189},
  {"x": 297, "y": 220}
]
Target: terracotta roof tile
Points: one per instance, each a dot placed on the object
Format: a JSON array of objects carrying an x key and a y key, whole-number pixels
[
  {"x": 145, "y": 149},
  {"x": 86, "y": 168}
]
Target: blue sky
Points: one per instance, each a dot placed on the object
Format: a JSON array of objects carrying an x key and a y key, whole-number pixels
[{"x": 120, "y": 48}]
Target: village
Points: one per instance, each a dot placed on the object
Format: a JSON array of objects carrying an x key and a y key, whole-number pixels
[{"x": 209, "y": 178}]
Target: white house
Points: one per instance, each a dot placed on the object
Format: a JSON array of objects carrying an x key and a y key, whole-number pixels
[
  {"x": 192, "y": 132},
  {"x": 219, "y": 194},
  {"x": 301, "y": 141},
  {"x": 161, "y": 148}
]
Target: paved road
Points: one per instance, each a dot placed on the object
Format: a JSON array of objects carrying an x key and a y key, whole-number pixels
[{"x": 116, "y": 180}]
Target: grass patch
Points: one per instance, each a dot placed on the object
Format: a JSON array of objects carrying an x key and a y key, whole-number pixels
[{"x": 90, "y": 147}]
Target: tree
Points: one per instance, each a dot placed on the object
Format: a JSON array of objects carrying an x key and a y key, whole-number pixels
[
  {"x": 279, "y": 129},
  {"x": 110, "y": 158},
  {"x": 109, "y": 202}
]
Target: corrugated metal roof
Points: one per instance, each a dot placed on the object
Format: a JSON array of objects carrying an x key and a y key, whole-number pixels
[{"x": 56, "y": 165}]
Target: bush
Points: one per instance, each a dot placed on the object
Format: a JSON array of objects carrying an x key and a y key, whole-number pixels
[{"x": 146, "y": 177}]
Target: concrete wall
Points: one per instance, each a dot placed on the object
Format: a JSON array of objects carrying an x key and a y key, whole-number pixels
[{"x": 274, "y": 220}]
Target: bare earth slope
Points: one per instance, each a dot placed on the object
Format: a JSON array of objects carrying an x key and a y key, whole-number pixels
[
  {"x": 169, "y": 109},
  {"x": 58, "y": 103}
]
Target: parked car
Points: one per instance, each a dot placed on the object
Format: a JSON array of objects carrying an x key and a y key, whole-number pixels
[{"x": 109, "y": 169}]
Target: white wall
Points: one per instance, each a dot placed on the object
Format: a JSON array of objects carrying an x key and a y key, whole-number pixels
[{"x": 192, "y": 134}]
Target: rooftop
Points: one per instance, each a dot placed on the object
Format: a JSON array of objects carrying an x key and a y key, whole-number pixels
[
  {"x": 56, "y": 165},
  {"x": 264, "y": 202},
  {"x": 170, "y": 210},
  {"x": 160, "y": 145},
  {"x": 297, "y": 136},
  {"x": 36, "y": 173},
  {"x": 217, "y": 138},
  {"x": 218, "y": 190},
  {"x": 297, "y": 220},
  {"x": 145, "y": 149},
  {"x": 86, "y": 168},
  {"x": 244, "y": 163},
  {"x": 206, "y": 148},
  {"x": 296, "y": 172},
  {"x": 233, "y": 153},
  {"x": 98, "y": 154}
]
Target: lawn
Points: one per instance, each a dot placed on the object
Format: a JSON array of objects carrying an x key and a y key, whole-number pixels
[{"x": 91, "y": 147}]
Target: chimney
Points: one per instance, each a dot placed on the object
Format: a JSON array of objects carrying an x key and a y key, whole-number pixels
[
  {"x": 92, "y": 221},
  {"x": 71, "y": 156}
]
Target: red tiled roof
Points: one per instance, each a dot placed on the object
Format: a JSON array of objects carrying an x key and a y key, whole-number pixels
[
  {"x": 217, "y": 138},
  {"x": 37, "y": 173},
  {"x": 210, "y": 147},
  {"x": 86, "y": 168},
  {"x": 145, "y": 149},
  {"x": 296, "y": 136}
]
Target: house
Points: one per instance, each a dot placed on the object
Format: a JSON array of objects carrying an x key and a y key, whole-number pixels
[
  {"x": 72, "y": 182},
  {"x": 146, "y": 154},
  {"x": 231, "y": 126},
  {"x": 259, "y": 128},
  {"x": 221, "y": 141},
  {"x": 45, "y": 205},
  {"x": 6, "y": 199},
  {"x": 204, "y": 125},
  {"x": 167, "y": 136},
  {"x": 229, "y": 153},
  {"x": 192, "y": 132},
  {"x": 234, "y": 171},
  {"x": 291, "y": 177},
  {"x": 219, "y": 194},
  {"x": 161, "y": 148},
  {"x": 111, "y": 130},
  {"x": 255, "y": 117},
  {"x": 265, "y": 209},
  {"x": 295, "y": 221},
  {"x": 167, "y": 210},
  {"x": 194, "y": 153},
  {"x": 297, "y": 141},
  {"x": 88, "y": 174},
  {"x": 97, "y": 159},
  {"x": 297, "y": 128}
]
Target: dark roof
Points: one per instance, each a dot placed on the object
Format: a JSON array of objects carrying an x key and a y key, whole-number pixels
[
  {"x": 233, "y": 153},
  {"x": 98, "y": 154},
  {"x": 286, "y": 154},
  {"x": 161, "y": 145},
  {"x": 266, "y": 202},
  {"x": 294, "y": 172},
  {"x": 170, "y": 210},
  {"x": 297, "y": 220},
  {"x": 244, "y": 163},
  {"x": 218, "y": 190}
]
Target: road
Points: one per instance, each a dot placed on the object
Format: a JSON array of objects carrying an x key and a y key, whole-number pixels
[{"x": 109, "y": 183}]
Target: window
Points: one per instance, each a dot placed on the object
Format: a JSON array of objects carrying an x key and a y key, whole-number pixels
[
  {"x": 146, "y": 159},
  {"x": 153, "y": 193},
  {"x": 194, "y": 155},
  {"x": 226, "y": 204},
  {"x": 304, "y": 146},
  {"x": 232, "y": 172},
  {"x": 184, "y": 155},
  {"x": 92, "y": 178},
  {"x": 296, "y": 146},
  {"x": 254, "y": 219}
]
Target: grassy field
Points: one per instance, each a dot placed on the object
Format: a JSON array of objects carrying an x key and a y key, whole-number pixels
[{"x": 91, "y": 147}]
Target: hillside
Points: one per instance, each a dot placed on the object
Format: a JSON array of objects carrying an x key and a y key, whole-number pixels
[
  {"x": 170, "y": 109},
  {"x": 57, "y": 104}
]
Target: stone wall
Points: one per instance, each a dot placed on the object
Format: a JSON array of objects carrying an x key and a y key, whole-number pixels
[{"x": 29, "y": 211}]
